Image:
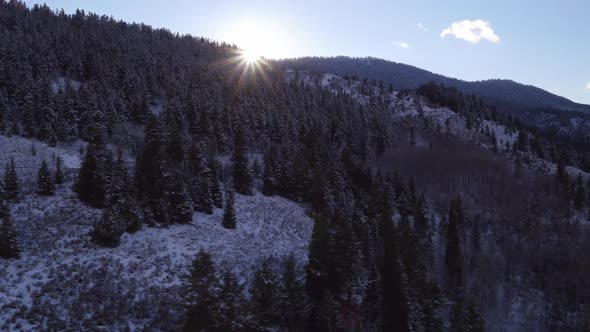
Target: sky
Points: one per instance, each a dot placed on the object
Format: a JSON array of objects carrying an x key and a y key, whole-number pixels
[{"x": 545, "y": 43}]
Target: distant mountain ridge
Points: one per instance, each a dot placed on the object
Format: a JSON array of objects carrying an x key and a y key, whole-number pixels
[{"x": 504, "y": 94}]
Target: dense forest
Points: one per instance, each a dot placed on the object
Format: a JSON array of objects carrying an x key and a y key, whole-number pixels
[{"x": 441, "y": 236}]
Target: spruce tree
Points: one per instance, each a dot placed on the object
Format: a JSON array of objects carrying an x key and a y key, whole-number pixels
[
  {"x": 475, "y": 237},
  {"x": 293, "y": 294},
  {"x": 202, "y": 183},
  {"x": 107, "y": 230},
  {"x": 561, "y": 173},
  {"x": 11, "y": 187},
  {"x": 8, "y": 238},
  {"x": 412, "y": 197},
  {"x": 269, "y": 178},
  {"x": 343, "y": 254},
  {"x": 241, "y": 167},
  {"x": 122, "y": 198},
  {"x": 230, "y": 305},
  {"x": 317, "y": 284},
  {"x": 453, "y": 255},
  {"x": 59, "y": 175},
  {"x": 420, "y": 219},
  {"x": 580, "y": 194},
  {"x": 131, "y": 214},
  {"x": 45, "y": 184},
  {"x": 256, "y": 168},
  {"x": 475, "y": 322},
  {"x": 179, "y": 206},
  {"x": 202, "y": 316},
  {"x": 216, "y": 194},
  {"x": 371, "y": 305},
  {"x": 265, "y": 297},
  {"x": 458, "y": 319},
  {"x": 395, "y": 306},
  {"x": 94, "y": 176},
  {"x": 466, "y": 317},
  {"x": 318, "y": 262},
  {"x": 229, "y": 212}
]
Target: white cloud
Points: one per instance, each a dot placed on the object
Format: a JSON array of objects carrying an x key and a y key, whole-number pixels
[
  {"x": 401, "y": 44},
  {"x": 420, "y": 26},
  {"x": 471, "y": 31},
  {"x": 588, "y": 85}
]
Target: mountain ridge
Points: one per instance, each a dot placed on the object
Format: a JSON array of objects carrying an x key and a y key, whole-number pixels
[{"x": 506, "y": 94}]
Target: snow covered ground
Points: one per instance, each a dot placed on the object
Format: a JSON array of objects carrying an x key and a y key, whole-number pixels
[
  {"x": 29, "y": 154},
  {"x": 63, "y": 282}
]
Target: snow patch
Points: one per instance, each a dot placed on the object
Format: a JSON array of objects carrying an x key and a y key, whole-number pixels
[{"x": 61, "y": 83}]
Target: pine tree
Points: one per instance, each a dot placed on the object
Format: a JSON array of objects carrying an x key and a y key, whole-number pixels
[
  {"x": 241, "y": 167},
  {"x": 107, "y": 230},
  {"x": 293, "y": 295},
  {"x": 94, "y": 176},
  {"x": 11, "y": 186},
  {"x": 395, "y": 306},
  {"x": 269, "y": 178},
  {"x": 412, "y": 197},
  {"x": 265, "y": 297},
  {"x": 476, "y": 237},
  {"x": 409, "y": 250},
  {"x": 420, "y": 219},
  {"x": 8, "y": 238},
  {"x": 45, "y": 185},
  {"x": 494, "y": 142},
  {"x": 466, "y": 318},
  {"x": 343, "y": 255},
  {"x": 562, "y": 176},
  {"x": 453, "y": 255},
  {"x": 122, "y": 198},
  {"x": 372, "y": 301},
  {"x": 317, "y": 267},
  {"x": 475, "y": 322},
  {"x": 229, "y": 212},
  {"x": 202, "y": 316},
  {"x": 202, "y": 188},
  {"x": 180, "y": 206},
  {"x": 230, "y": 315},
  {"x": 458, "y": 318},
  {"x": 256, "y": 167},
  {"x": 216, "y": 194},
  {"x": 59, "y": 175},
  {"x": 130, "y": 213},
  {"x": 580, "y": 194}
]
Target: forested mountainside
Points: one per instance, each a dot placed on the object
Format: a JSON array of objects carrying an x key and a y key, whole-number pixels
[
  {"x": 505, "y": 94},
  {"x": 161, "y": 182}
]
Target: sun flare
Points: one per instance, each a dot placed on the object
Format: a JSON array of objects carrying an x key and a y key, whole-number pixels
[
  {"x": 251, "y": 56},
  {"x": 259, "y": 38}
]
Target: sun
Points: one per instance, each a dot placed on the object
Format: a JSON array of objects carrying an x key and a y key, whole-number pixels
[
  {"x": 260, "y": 38},
  {"x": 251, "y": 56}
]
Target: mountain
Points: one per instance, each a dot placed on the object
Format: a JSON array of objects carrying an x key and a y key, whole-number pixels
[
  {"x": 504, "y": 94},
  {"x": 159, "y": 182}
]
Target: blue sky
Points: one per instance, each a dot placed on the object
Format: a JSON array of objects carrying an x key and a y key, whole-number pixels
[{"x": 540, "y": 42}]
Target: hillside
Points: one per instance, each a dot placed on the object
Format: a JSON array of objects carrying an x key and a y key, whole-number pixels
[
  {"x": 505, "y": 94},
  {"x": 145, "y": 273},
  {"x": 163, "y": 182}
]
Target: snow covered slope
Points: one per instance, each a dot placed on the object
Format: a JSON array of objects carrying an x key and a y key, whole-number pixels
[
  {"x": 412, "y": 110},
  {"x": 64, "y": 282},
  {"x": 29, "y": 154}
]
